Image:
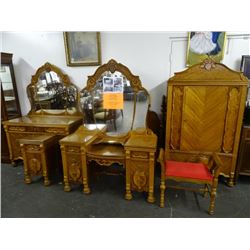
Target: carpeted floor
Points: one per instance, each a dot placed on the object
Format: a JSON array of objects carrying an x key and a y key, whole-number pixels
[{"x": 19, "y": 200}]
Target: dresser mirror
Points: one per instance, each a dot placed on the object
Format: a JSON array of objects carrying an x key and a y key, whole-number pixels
[
  {"x": 115, "y": 97},
  {"x": 51, "y": 92}
]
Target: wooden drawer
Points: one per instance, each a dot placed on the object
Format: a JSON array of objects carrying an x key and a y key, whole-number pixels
[
  {"x": 17, "y": 129},
  {"x": 73, "y": 149},
  {"x": 30, "y": 129},
  {"x": 139, "y": 155}
]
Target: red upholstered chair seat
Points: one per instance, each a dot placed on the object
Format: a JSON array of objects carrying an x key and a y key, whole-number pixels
[
  {"x": 187, "y": 170},
  {"x": 204, "y": 171}
]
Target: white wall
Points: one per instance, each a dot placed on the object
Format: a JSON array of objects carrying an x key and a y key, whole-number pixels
[{"x": 154, "y": 56}]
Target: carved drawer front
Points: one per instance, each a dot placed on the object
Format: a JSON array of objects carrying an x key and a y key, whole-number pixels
[
  {"x": 34, "y": 163},
  {"x": 74, "y": 168},
  {"x": 139, "y": 175},
  {"x": 32, "y": 148},
  {"x": 17, "y": 129},
  {"x": 57, "y": 131},
  {"x": 139, "y": 155},
  {"x": 35, "y": 129},
  {"x": 73, "y": 149}
]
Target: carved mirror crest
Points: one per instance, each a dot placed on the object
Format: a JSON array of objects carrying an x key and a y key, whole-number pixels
[
  {"x": 51, "y": 92},
  {"x": 115, "y": 96}
]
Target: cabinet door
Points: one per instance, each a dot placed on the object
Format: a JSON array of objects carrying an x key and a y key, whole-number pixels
[
  {"x": 203, "y": 119},
  {"x": 10, "y": 101}
]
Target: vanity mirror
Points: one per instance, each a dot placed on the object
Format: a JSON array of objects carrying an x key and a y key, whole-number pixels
[
  {"x": 51, "y": 92},
  {"x": 115, "y": 97}
]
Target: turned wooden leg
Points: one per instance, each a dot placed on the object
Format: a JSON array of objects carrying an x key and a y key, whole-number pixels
[
  {"x": 27, "y": 178},
  {"x": 205, "y": 191},
  {"x": 230, "y": 181},
  {"x": 128, "y": 195},
  {"x": 86, "y": 189},
  {"x": 67, "y": 187},
  {"x": 213, "y": 195},
  {"x": 85, "y": 177},
  {"x": 46, "y": 181},
  {"x": 162, "y": 195},
  {"x": 45, "y": 175},
  {"x": 151, "y": 198},
  {"x": 212, "y": 201},
  {"x": 13, "y": 163}
]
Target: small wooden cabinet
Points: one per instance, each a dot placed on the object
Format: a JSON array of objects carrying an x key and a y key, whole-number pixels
[
  {"x": 10, "y": 106},
  {"x": 244, "y": 152},
  {"x": 140, "y": 161},
  {"x": 40, "y": 156}
]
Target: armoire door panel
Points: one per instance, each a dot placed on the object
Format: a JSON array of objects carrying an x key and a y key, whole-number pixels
[{"x": 203, "y": 118}]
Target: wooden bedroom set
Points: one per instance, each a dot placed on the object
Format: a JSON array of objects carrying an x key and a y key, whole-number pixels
[{"x": 73, "y": 132}]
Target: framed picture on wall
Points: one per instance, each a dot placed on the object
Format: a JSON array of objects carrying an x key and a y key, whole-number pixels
[
  {"x": 205, "y": 44},
  {"x": 245, "y": 66},
  {"x": 82, "y": 48}
]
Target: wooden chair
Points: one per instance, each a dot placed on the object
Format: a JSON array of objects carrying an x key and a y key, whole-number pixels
[{"x": 195, "y": 167}]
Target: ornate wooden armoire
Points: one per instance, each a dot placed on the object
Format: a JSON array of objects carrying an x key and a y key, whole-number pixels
[{"x": 205, "y": 106}]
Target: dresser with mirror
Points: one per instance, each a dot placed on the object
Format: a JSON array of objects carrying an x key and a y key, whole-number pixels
[
  {"x": 115, "y": 133},
  {"x": 54, "y": 110}
]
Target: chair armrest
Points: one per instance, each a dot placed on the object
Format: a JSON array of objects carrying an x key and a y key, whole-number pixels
[{"x": 217, "y": 165}]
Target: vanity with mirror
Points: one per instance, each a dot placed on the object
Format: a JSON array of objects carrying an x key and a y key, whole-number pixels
[
  {"x": 115, "y": 107},
  {"x": 54, "y": 110}
]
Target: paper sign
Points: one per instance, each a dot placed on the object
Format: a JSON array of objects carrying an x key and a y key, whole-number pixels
[{"x": 112, "y": 100}]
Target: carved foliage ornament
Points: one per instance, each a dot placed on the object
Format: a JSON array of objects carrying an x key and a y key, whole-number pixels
[
  {"x": 113, "y": 66},
  {"x": 49, "y": 67},
  {"x": 35, "y": 166},
  {"x": 208, "y": 64},
  {"x": 74, "y": 169},
  {"x": 139, "y": 179}
]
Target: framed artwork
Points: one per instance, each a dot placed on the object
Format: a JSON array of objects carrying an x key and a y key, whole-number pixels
[
  {"x": 82, "y": 48},
  {"x": 204, "y": 44},
  {"x": 245, "y": 66},
  {"x": 108, "y": 84}
]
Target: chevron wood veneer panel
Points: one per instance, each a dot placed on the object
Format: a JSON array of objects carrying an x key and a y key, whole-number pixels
[{"x": 203, "y": 118}]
